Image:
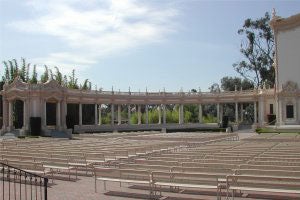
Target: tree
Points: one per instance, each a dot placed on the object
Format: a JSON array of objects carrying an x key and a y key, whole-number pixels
[
  {"x": 258, "y": 51},
  {"x": 232, "y": 83},
  {"x": 45, "y": 76},
  {"x": 33, "y": 79}
]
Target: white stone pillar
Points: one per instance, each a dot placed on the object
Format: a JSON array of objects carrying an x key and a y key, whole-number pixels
[
  {"x": 119, "y": 115},
  {"x": 159, "y": 114},
  {"x": 96, "y": 114},
  {"x": 58, "y": 114},
  {"x": 236, "y": 112},
  {"x": 139, "y": 114},
  {"x": 112, "y": 114},
  {"x": 64, "y": 114},
  {"x": 164, "y": 115},
  {"x": 99, "y": 115},
  {"x": 45, "y": 114},
  {"x": 80, "y": 114},
  {"x": 10, "y": 115},
  {"x": 181, "y": 115},
  {"x": 147, "y": 114},
  {"x": 221, "y": 112},
  {"x": 261, "y": 109},
  {"x": 279, "y": 111},
  {"x": 200, "y": 115},
  {"x": 128, "y": 114},
  {"x": 255, "y": 112},
  {"x": 242, "y": 113},
  {"x": 25, "y": 122},
  {"x": 5, "y": 115},
  {"x": 218, "y": 112}
]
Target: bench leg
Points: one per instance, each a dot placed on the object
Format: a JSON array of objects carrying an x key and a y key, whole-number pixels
[
  {"x": 95, "y": 185},
  {"x": 104, "y": 182}
]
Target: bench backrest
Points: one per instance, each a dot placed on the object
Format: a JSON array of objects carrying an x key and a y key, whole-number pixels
[{"x": 252, "y": 181}]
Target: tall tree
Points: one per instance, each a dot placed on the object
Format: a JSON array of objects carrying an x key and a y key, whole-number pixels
[
  {"x": 232, "y": 83},
  {"x": 33, "y": 79},
  {"x": 257, "y": 47}
]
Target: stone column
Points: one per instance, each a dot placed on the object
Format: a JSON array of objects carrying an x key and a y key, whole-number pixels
[
  {"x": 221, "y": 112},
  {"x": 112, "y": 114},
  {"x": 10, "y": 116},
  {"x": 159, "y": 114},
  {"x": 279, "y": 111},
  {"x": 96, "y": 114},
  {"x": 164, "y": 115},
  {"x": 181, "y": 115},
  {"x": 64, "y": 114},
  {"x": 5, "y": 116},
  {"x": 119, "y": 115},
  {"x": 242, "y": 113},
  {"x": 255, "y": 112},
  {"x": 200, "y": 113},
  {"x": 58, "y": 114},
  {"x": 139, "y": 115},
  {"x": 80, "y": 114},
  {"x": 147, "y": 114},
  {"x": 129, "y": 114},
  {"x": 99, "y": 115},
  {"x": 45, "y": 114},
  {"x": 236, "y": 112},
  {"x": 218, "y": 112},
  {"x": 261, "y": 109},
  {"x": 25, "y": 122}
]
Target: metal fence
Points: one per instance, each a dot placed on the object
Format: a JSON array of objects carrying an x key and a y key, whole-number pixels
[{"x": 17, "y": 184}]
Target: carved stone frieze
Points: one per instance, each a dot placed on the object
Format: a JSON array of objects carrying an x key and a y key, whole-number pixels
[{"x": 290, "y": 87}]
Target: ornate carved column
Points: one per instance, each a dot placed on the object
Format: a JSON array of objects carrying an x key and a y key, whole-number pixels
[
  {"x": 45, "y": 113},
  {"x": 147, "y": 114},
  {"x": 139, "y": 114},
  {"x": 99, "y": 115},
  {"x": 129, "y": 113},
  {"x": 25, "y": 110},
  {"x": 10, "y": 115},
  {"x": 64, "y": 114},
  {"x": 200, "y": 114},
  {"x": 181, "y": 115},
  {"x": 218, "y": 112},
  {"x": 159, "y": 114},
  {"x": 96, "y": 114},
  {"x": 112, "y": 114},
  {"x": 5, "y": 114},
  {"x": 255, "y": 112},
  {"x": 119, "y": 115},
  {"x": 236, "y": 112},
  {"x": 261, "y": 109},
  {"x": 80, "y": 114},
  {"x": 164, "y": 114},
  {"x": 242, "y": 113},
  {"x": 58, "y": 116}
]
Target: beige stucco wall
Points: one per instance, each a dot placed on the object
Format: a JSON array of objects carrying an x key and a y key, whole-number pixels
[{"x": 288, "y": 42}]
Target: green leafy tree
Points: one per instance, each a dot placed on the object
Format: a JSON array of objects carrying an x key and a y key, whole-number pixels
[
  {"x": 258, "y": 51},
  {"x": 33, "y": 79},
  {"x": 45, "y": 75},
  {"x": 232, "y": 83}
]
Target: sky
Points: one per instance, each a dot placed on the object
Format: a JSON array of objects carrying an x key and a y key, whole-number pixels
[{"x": 136, "y": 44}]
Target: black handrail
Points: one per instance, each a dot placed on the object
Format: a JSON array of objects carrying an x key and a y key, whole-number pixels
[{"x": 20, "y": 184}]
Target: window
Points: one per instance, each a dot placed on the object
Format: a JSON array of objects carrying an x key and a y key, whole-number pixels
[
  {"x": 289, "y": 111},
  {"x": 271, "y": 109}
]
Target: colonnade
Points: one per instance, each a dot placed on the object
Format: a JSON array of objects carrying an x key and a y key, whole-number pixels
[{"x": 162, "y": 113}]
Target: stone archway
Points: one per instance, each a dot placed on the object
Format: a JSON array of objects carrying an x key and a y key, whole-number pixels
[
  {"x": 51, "y": 113},
  {"x": 18, "y": 114}
]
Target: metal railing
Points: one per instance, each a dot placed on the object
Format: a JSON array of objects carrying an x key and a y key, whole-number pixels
[{"x": 17, "y": 184}]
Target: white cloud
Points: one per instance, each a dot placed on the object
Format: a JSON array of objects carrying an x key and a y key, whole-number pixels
[{"x": 96, "y": 29}]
